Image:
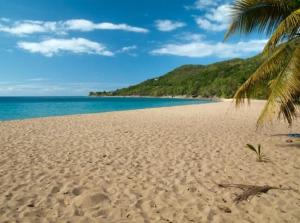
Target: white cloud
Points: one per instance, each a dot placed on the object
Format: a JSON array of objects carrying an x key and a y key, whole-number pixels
[
  {"x": 55, "y": 88},
  {"x": 75, "y": 45},
  {"x": 129, "y": 48},
  {"x": 26, "y": 27},
  {"x": 86, "y": 25},
  {"x": 79, "y": 24},
  {"x": 206, "y": 4},
  {"x": 217, "y": 19},
  {"x": 188, "y": 36},
  {"x": 168, "y": 25},
  {"x": 205, "y": 49},
  {"x": 200, "y": 4}
]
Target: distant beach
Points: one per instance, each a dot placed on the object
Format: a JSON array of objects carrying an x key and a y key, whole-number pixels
[{"x": 148, "y": 165}]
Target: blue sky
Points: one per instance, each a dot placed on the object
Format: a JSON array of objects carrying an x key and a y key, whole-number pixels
[{"x": 71, "y": 47}]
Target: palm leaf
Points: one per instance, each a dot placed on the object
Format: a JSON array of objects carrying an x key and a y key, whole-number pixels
[
  {"x": 283, "y": 89},
  {"x": 282, "y": 65},
  {"x": 288, "y": 111},
  {"x": 266, "y": 71},
  {"x": 263, "y": 15},
  {"x": 287, "y": 29},
  {"x": 251, "y": 147}
]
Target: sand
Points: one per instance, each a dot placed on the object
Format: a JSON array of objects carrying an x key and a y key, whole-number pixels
[{"x": 152, "y": 165}]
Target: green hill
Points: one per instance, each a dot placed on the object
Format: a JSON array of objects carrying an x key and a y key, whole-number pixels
[{"x": 220, "y": 79}]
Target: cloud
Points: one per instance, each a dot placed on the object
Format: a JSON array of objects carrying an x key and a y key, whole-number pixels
[
  {"x": 51, "y": 47},
  {"x": 200, "y": 4},
  {"x": 26, "y": 27},
  {"x": 188, "y": 36},
  {"x": 168, "y": 25},
  {"x": 205, "y": 49},
  {"x": 29, "y": 27},
  {"x": 86, "y": 25},
  {"x": 217, "y": 19},
  {"x": 55, "y": 88},
  {"x": 206, "y": 4},
  {"x": 129, "y": 48}
]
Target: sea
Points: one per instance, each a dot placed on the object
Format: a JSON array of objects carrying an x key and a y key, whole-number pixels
[{"x": 15, "y": 108}]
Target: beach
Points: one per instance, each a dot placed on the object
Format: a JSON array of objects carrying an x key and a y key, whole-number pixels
[{"x": 151, "y": 165}]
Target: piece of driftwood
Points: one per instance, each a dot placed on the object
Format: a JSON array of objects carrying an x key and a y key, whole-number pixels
[{"x": 250, "y": 190}]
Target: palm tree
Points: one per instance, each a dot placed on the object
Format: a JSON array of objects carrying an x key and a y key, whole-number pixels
[{"x": 281, "y": 64}]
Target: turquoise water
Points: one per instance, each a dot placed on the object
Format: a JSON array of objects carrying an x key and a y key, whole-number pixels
[{"x": 12, "y": 108}]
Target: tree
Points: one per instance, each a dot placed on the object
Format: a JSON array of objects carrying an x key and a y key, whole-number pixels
[{"x": 281, "y": 66}]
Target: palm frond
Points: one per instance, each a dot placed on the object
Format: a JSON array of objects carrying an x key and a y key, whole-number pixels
[
  {"x": 263, "y": 15},
  {"x": 282, "y": 65},
  {"x": 288, "y": 111},
  {"x": 249, "y": 191},
  {"x": 287, "y": 29},
  {"x": 266, "y": 71},
  {"x": 283, "y": 89}
]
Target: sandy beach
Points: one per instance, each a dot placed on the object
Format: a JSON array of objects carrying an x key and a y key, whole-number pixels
[{"x": 153, "y": 165}]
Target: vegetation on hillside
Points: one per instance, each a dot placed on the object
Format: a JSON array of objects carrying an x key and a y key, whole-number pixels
[{"x": 220, "y": 79}]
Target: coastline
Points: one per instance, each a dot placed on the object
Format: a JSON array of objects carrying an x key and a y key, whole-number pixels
[
  {"x": 139, "y": 96},
  {"x": 155, "y": 165},
  {"x": 213, "y": 99}
]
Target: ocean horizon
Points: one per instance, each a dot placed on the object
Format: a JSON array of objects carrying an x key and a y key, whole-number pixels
[{"x": 27, "y": 107}]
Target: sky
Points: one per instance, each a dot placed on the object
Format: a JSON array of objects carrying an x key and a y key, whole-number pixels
[{"x": 71, "y": 47}]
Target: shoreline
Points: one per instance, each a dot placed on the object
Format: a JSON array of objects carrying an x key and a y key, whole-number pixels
[
  {"x": 214, "y": 99},
  {"x": 175, "y": 97}
]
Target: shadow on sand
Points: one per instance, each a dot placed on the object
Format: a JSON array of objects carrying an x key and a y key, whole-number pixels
[
  {"x": 293, "y": 140},
  {"x": 292, "y": 145}
]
